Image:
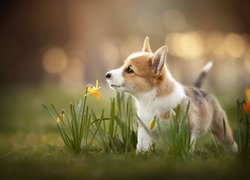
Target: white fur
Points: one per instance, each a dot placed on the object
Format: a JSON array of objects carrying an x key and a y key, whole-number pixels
[
  {"x": 116, "y": 77},
  {"x": 144, "y": 141},
  {"x": 150, "y": 105},
  {"x": 208, "y": 66}
]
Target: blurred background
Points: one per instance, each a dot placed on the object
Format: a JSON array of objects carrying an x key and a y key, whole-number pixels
[{"x": 48, "y": 47}]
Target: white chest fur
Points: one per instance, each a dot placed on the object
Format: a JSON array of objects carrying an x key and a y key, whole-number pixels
[{"x": 150, "y": 105}]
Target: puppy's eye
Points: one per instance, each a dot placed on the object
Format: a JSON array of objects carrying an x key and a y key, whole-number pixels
[{"x": 129, "y": 70}]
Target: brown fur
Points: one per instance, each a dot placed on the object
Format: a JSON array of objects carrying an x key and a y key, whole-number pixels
[
  {"x": 165, "y": 86},
  {"x": 165, "y": 115},
  {"x": 143, "y": 79},
  {"x": 138, "y": 80}
]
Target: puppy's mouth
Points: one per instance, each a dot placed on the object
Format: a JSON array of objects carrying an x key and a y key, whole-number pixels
[{"x": 116, "y": 86}]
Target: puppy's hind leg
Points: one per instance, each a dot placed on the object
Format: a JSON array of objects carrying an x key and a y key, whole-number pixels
[
  {"x": 193, "y": 141},
  {"x": 221, "y": 129}
]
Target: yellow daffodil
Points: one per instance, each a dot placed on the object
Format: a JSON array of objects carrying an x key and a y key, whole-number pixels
[
  {"x": 60, "y": 118},
  {"x": 152, "y": 124},
  {"x": 94, "y": 90},
  {"x": 246, "y": 106}
]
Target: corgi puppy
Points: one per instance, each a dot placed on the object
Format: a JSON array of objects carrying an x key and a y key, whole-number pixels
[{"x": 145, "y": 75}]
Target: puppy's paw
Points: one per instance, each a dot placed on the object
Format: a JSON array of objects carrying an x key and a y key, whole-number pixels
[
  {"x": 142, "y": 149},
  {"x": 234, "y": 147}
]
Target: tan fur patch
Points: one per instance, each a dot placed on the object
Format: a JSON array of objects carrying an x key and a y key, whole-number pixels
[
  {"x": 165, "y": 86},
  {"x": 139, "y": 80},
  {"x": 143, "y": 80},
  {"x": 165, "y": 115}
]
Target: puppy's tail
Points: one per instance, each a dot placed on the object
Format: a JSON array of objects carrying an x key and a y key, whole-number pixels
[{"x": 203, "y": 74}]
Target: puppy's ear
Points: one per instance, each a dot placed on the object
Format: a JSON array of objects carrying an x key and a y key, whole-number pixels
[
  {"x": 158, "y": 60},
  {"x": 146, "y": 45}
]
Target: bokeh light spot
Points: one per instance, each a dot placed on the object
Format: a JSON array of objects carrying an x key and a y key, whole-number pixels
[
  {"x": 186, "y": 45},
  {"x": 72, "y": 75},
  {"x": 54, "y": 60},
  {"x": 216, "y": 44},
  {"x": 235, "y": 45}
]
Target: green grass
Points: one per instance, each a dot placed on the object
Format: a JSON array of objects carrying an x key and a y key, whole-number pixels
[
  {"x": 116, "y": 133},
  {"x": 75, "y": 128},
  {"x": 31, "y": 146}
]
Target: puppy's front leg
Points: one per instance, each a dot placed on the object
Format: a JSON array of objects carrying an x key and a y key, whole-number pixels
[{"x": 144, "y": 141}]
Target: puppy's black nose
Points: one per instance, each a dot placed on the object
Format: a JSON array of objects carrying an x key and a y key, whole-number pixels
[{"x": 108, "y": 75}]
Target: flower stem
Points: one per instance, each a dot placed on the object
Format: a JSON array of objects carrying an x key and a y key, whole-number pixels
[{"x": 84, "y": 102}]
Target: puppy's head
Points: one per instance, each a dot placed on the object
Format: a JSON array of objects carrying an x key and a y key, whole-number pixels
[{"x": 141, "y": 71}]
